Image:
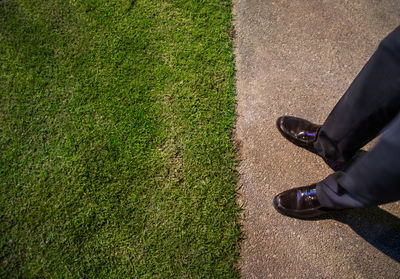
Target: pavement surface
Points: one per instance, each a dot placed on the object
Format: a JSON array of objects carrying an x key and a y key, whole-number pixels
[{"x": 297, "y": 57}]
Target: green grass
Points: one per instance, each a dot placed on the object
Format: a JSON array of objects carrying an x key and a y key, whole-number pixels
[{"x": 116, "y": 157}]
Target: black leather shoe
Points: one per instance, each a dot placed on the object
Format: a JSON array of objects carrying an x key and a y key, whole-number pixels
[
  {"x": 300, "y": 203},
  {"x": 303, "y": 133},
  {"x": 299, "y": 131}
]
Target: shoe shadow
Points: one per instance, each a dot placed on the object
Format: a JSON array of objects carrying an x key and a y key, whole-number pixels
[{"x": 377, "y": 226}]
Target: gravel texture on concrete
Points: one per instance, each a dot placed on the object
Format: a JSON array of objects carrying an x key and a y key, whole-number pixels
[{"x": 297, "y": 57}]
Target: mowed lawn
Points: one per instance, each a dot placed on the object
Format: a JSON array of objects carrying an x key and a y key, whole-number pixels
[{"x": 115, "y": 139}]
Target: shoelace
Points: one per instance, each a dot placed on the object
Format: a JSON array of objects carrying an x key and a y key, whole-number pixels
[
  {"x": 309, "y": 195},
  {"x": 305, "y": 135}
]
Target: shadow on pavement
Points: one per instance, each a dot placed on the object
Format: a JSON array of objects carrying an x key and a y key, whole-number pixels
[{"x": 377, "y": 226}]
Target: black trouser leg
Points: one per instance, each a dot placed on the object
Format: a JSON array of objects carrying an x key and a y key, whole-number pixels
[
  {"x": 370, "y": 103},
  {"x": 372, "y": 180}
]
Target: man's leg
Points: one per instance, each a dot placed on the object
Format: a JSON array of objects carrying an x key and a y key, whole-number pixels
[
  {"x": 372, "y": 180},
  {"x": 370, "y": 103}
]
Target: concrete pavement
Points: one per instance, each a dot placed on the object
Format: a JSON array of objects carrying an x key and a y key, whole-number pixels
[{"x": 298, "y": 57}]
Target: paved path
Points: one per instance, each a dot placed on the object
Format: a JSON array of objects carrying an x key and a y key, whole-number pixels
[{"x": 297, "y": 57}]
